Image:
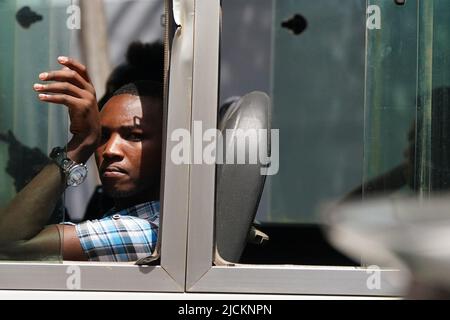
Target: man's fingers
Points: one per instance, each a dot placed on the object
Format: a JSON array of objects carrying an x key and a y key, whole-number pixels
[
  {"x": 64, "y": 99},
  {"x": 60, "y": 87},
  {"x": 67, "y": 76},
  {"x": 75, "y": 65}
]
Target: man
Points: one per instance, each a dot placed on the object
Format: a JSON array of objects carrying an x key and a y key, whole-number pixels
[
  {"x": 126, "y": 137},
  {"x": 143, "y": 62}
]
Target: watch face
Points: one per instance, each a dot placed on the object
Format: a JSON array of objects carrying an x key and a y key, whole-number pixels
[{"x": 77, "y": 175}]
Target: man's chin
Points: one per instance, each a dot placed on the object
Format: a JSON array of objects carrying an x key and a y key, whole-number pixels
[{"x": 119, "y": 193}]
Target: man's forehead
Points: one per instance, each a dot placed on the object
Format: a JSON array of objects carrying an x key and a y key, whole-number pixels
[
  {"x": 126, "y": 125},
  {"x": 125, "y": 105},
  {"x": 125, "y": 111}
]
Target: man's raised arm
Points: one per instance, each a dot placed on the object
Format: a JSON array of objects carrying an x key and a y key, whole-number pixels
[{"x": 26, "y": 215}]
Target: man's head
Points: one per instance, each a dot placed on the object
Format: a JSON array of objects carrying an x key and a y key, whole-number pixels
[{"x": 129, "y": 155}]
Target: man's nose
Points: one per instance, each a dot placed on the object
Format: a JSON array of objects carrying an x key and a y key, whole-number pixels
[{"x": 112, "y": 148}]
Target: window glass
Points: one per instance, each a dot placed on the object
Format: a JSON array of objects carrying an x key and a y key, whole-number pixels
[
  {"x": 433, "y": 98},
  {"x": 407, "y": 96},
  {"x": 119, "y": 42},
  {"x": 359, "y": 94},
  {"x": 308, "y": 57},
  {"x": 406, "y": 135},
  {"x": 391, "y": 101},
  {"x": 31, "y": 37},
  {"x": 318, "y": 105}
]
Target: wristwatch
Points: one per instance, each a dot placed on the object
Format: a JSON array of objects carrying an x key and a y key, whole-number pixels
[{"x": 74, "y": 173}]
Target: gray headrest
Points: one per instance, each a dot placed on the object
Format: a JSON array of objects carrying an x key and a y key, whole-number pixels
[{"x": 239, "y": 186}]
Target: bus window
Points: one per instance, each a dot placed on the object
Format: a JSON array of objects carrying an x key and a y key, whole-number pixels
[
  {"x": 308, "y": 57},
  {"x": 360, "y": 109},
  {"x": 56, "y": 202}
]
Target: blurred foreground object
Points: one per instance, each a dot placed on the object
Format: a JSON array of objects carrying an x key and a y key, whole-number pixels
[{"x": 410, "y": 235}]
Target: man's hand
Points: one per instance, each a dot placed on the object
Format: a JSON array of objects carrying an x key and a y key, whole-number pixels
[{"x": 73, "y": 88}]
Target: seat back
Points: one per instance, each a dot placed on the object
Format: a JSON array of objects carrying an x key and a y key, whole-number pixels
[{"x": 239, "y": 186}]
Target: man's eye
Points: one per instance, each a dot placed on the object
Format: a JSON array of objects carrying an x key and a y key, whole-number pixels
[{"x": 135, "y": 136}]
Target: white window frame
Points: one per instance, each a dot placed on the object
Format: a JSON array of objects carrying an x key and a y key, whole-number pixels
[
  {"x": 170, "y": 275},
  {"x": 202, "y": 276}
]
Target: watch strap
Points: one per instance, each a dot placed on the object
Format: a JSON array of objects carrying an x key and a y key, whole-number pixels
[{"x": 59, "y": 157}]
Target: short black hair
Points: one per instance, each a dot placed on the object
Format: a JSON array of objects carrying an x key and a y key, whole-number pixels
[
  {"x": 142, "y": 89},
  {"x": 150, "y": 89}
]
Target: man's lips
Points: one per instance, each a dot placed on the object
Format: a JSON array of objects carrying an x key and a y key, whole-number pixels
[{"x": 113, "y": 172}]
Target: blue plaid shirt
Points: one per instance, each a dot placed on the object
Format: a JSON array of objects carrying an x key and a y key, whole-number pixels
[{"x": 125, "y": 235}]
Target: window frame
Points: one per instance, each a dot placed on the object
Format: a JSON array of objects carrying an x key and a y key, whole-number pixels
[
  {"x": 169, "y": 275},
  {"x": 202, "y": 275}
]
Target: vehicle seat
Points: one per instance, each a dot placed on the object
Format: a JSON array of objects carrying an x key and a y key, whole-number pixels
[{"x": 239, "y": 186}]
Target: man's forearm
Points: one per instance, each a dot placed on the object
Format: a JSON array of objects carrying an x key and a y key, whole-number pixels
[
  {"x": 44, "y": 246},
  {"x": 30, "y": 210}
]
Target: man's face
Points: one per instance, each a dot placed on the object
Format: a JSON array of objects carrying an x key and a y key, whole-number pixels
[{"x": 129, "y": 156}]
